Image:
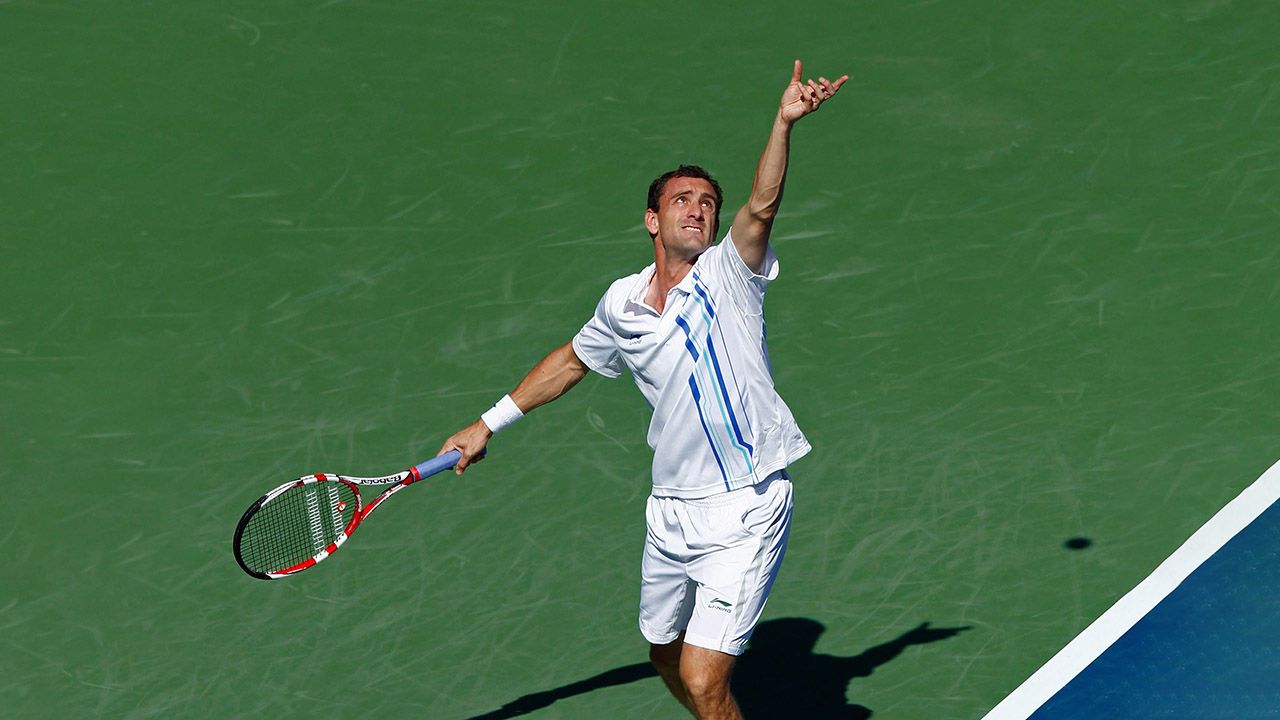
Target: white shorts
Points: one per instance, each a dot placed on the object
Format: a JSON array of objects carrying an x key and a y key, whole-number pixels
[{"x": 709, "y": 564}]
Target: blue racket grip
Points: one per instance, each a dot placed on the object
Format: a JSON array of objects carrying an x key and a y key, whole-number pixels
[{"x": 442, "y": 463}]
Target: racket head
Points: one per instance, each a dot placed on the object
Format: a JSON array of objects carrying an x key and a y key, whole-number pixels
[{"x": 297, "y": 525}]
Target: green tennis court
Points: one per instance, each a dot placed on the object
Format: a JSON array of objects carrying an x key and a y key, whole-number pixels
[{"x": 1026, "y": 316}]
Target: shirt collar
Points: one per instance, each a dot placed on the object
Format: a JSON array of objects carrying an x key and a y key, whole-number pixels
[
  {"x": 640, "y": 287},
  {"x": 635, "y": 296},
  {"x": 686, "y": 285}
]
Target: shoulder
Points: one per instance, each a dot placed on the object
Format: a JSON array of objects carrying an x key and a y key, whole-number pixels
[
  {"x": 620, "y": 290},
  {"x": 723, "y": 257},
  {"x": 616, "y": 296},
  {"x": 623, "y": 285}
]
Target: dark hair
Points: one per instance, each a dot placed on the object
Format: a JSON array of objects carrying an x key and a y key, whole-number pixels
[{"x": 684, "y": 171}]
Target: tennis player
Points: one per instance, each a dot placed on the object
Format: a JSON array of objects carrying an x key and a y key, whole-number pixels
[{"x": 690, "y": 330}]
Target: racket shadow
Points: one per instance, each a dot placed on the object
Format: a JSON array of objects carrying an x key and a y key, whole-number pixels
[{"x": 778, "y": 676}]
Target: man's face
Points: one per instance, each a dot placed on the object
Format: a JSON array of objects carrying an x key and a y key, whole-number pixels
[{"x": 685, "y": 222}]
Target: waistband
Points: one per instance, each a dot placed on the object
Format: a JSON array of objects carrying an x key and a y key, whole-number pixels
[{"x": 730, "y": 496}]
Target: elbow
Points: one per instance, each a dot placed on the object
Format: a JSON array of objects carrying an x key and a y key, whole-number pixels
[
  {"x": 762, "y": 217},
  {"x": 763, "y": 209},
  {"x": 571, "y": 364}
]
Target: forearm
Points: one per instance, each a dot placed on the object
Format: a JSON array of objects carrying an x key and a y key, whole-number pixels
[
  {"x": 771, "y": 174},
  {"x": 754, "y": 222},
  {"x": 549, "y": 379},
  {"x": 552, "y": 377}
]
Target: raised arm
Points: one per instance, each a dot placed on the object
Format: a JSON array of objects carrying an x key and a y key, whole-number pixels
[
  {"x": 552, "y": 377},
  {"x": 752, "y": 224}
]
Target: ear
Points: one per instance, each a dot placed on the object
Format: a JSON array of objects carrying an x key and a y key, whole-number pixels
[{"x": 651, "y": 221}]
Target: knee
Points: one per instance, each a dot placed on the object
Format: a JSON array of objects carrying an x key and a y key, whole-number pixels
[{"x": 705, "y": 687}]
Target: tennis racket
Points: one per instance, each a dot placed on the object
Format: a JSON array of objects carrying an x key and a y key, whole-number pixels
[{"x": 306, "y": 520}]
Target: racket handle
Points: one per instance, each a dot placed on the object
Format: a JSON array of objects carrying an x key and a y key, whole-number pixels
[{"x": 439, "y": 464}]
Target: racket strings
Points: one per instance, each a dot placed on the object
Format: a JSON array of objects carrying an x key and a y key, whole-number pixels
[{"x": 297, "y": 525}]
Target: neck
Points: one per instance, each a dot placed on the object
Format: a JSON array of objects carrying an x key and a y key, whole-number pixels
[{"x": 668, "y": 271}]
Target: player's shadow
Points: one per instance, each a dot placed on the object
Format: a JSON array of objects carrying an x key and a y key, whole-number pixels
[{"x": 779, "y": 676}]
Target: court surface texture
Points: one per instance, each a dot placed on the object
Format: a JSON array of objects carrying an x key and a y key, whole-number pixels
[{"x": 1026, "y": 315}]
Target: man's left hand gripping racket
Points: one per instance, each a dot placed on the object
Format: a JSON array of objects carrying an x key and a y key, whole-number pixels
[{"x": 306, "y": 520}]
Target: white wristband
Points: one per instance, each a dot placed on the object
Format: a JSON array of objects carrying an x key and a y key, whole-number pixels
[{"x": 503, "y": 414}]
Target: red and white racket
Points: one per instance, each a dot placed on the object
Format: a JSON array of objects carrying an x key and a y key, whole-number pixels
[{"x": 306, "y": 520}]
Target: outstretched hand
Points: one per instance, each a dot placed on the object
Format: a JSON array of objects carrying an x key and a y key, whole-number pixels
[{"x": 801, "y": 98}]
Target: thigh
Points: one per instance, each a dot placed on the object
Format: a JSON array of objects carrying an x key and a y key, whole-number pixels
[
  {"x": 732, "y": 584},
  {"x": 666, "y": 593}
]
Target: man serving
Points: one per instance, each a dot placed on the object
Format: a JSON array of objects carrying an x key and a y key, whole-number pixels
[{"x": 690, "y": 330}]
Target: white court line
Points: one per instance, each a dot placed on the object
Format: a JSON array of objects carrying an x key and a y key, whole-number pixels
[{"x": 1128, "y": 610}]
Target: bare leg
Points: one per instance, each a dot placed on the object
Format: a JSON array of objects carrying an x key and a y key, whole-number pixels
[
  {"x": 705, "y": 677},
  {"x": 666, "y": 660}
]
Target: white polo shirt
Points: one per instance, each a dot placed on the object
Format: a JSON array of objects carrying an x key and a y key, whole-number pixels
[{"x": 703, "y": 366}]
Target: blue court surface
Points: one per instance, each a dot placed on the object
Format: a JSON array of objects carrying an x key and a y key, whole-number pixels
[{"x": 1199, "y": 638}]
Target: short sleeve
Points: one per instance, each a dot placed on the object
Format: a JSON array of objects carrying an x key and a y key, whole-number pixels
[
  {"x": 745, "y": 286},
  {"x": 596, "y": 344}
]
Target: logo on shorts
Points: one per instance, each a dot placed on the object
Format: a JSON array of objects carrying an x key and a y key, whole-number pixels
[{"x": 721, "y": 605}]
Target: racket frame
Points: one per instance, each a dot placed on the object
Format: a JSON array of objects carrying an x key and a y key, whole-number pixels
[{"x": 397, "y": 481}]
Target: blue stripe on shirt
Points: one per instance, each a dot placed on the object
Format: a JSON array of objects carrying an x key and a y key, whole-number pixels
[
  {"x": 697, "y": 397},
  {"x": 723, "y": 400},
  {"x": 688, "y": 341}
]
